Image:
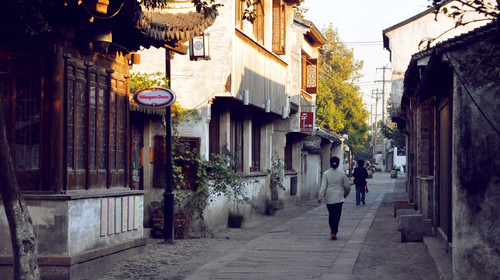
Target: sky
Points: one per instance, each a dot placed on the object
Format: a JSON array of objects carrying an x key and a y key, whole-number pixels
[{"x": 360, "y": 24}]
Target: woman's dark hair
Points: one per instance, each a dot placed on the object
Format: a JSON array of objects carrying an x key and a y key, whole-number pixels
[
  {"x": 360, "y": 162},
  {"x": 334, "y": 162}
]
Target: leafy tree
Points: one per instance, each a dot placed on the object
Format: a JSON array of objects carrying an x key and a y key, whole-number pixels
[
  {"x": 484, "y": 7},
  {"x": 339, "y": 102},
  {"x": 391, "y": 132},
  {"x": 459, "y": 9},
  {"x": 366, "y": 151}
]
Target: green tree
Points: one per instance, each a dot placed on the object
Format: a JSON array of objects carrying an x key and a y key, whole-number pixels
[
  {"x": 339, "y": 102},
  {"x": 366, "y": 151},
  {"x": 457, "y": 11}
]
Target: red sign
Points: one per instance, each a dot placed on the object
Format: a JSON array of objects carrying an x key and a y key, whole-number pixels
[
  {"x": 306, "y": 121},
  {"x": 154, "y": 97}
]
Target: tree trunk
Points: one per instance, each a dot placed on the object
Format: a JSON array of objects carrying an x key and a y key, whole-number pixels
[{"x": 21, "y": 230}]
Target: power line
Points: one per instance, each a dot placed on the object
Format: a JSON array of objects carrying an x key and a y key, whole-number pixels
[{"x": 364, "y": 43}]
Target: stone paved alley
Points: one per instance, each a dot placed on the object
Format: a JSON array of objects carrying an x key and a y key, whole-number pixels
[{"x": 295, "y": 244}]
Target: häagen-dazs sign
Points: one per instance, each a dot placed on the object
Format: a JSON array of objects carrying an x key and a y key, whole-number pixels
[{"x": 155, "y": 97}]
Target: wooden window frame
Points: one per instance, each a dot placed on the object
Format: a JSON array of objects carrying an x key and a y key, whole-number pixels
[
  {"x": 214, "y": 131},
  {"x": 288, "y": 153},
  {"x": 256, "y": 143},
  {"x": 25, "y": 76},
  {"x": 96, "y": 127},
  {"x": 258, "y": 24},
  {"x": 239, "y": 9},
  {"x": 279, "y": 30},
  {"x": 309, "y": 80},
  {"x": 236, "y": 139}
]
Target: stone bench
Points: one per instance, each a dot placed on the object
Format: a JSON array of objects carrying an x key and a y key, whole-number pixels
[
  {"x": 413, "y": 226},
  {"x": 402, "y": 204}
]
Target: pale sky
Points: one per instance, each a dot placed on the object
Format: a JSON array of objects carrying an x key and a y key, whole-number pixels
[{"x": 360, "y": 24}]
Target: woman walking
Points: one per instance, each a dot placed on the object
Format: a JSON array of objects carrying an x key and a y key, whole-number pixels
[
  {"x": 360, "y": 174},
  {"x": 334, "y": 189}
]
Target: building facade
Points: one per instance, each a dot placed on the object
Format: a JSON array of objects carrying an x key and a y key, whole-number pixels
[
  {"x": 450, "y": 99},
  {"x": 443, "y": 107},
  {"x": 255, "y": 94},
  {"x": 65, "y": 100}
]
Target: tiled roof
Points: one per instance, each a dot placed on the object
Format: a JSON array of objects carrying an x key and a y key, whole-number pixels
[{"x": 168, "y": 26}]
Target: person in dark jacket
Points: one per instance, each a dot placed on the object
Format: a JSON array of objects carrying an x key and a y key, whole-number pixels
[{"x": 360, "y": 174}]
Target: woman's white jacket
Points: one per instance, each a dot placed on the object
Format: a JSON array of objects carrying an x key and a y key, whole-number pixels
[{"x": 334, "y": 186}]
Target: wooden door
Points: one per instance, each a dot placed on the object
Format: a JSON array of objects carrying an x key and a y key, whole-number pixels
[{"x": 445, "y": 171}]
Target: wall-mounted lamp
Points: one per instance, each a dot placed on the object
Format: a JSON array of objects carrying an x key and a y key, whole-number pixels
[
  {"x": 134, "y": 58},
  {"x": 246, "y": 97},
  {"x": 101, "y": 41},
  {"x": 268, "y": 105},
  {"x": 198, "y": 47}
]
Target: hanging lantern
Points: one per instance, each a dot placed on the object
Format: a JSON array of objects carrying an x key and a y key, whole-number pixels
[{"x": 102, "y": 6}]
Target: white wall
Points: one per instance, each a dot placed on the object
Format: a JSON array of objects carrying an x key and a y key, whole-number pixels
[{"x": 404, "y": 39}]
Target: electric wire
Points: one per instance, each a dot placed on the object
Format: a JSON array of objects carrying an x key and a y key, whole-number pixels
[{"x": 470, "y": 95}]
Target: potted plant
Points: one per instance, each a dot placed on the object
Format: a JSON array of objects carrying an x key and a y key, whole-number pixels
[
  {"x": 158, "y": 219},
  {"x": 181, "y": 225},
  {"x": 276, "y": 180},
  {"x": 181, "y": 221},
  {"x": 224, "y": 180}
]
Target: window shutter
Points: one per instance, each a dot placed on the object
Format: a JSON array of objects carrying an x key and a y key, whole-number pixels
[
  {"x": 278, "y": 27},
  {"x": 239, "y": 7},
  {"x": 304, "y": 71},
  {"x": 258, "y": 24}
]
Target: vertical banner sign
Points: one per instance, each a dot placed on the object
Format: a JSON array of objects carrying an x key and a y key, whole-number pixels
[{"x": 306, "y": 121}]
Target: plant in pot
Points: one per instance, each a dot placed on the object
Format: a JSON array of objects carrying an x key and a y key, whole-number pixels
[
  {"x": 276, "y": 180},
  {"x": 189, "y": 177},
  {"x": 158, "y": 219},
  {"x": 224, "y": 180}
]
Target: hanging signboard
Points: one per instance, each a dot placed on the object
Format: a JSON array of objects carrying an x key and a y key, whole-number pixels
[
  {"x": 155, "y": 97},
  {"x": 306, "y": 121}
]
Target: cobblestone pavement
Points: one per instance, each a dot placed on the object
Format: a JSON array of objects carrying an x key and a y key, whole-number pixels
[
  {"x": 294, "y": 244},
  {"x": 178, "y": 260}
]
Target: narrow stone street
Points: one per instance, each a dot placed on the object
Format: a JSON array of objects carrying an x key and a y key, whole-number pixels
[{"x": 295, "y": 244}]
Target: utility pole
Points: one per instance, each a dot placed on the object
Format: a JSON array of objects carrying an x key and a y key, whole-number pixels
[
  {"x": 371, "y": 119},
  {"x": 384, "y": 106},
  {"x": 375, "y": 94},
  {"x": 168, "y": 196}
]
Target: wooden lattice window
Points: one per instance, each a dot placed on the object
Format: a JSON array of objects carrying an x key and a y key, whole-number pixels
[
  {"x": 21, "y": 95},
  {"x": 95, "y": 128},
  {"x": 309, "y": 74}
]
